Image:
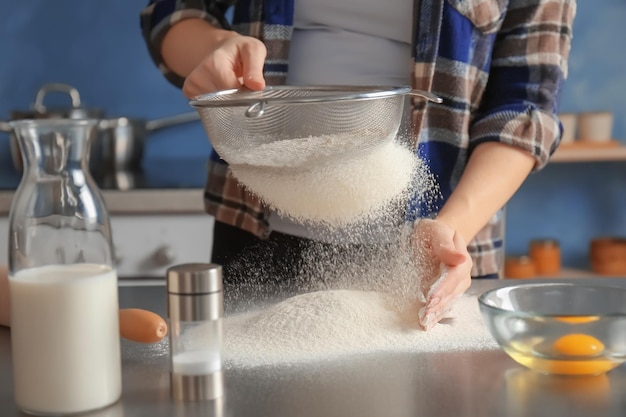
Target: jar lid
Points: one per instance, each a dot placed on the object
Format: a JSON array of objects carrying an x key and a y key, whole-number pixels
[
  {"x": 544, "y": 242},
  {"x": 194, "y": 278}
]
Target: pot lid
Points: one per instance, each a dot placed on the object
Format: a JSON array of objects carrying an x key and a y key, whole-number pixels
[{"x": 40, "y": 110}]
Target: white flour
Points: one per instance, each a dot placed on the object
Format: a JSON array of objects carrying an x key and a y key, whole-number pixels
[
  {"x": 298, "y": 152},
  {"x": 359, "y": 189},
  {"x": 330, "y": 324}
]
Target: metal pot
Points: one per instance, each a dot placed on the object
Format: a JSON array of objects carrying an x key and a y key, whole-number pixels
[
  {"x": 123, "y": 139},
  {"x": 116, "y": 156},
  {"x": 39, "y": 110}
]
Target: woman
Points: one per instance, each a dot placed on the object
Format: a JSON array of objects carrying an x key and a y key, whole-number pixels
[{"x": 498, "y": 65}]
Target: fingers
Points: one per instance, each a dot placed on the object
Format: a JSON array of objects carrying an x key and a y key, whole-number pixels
[
  {"x": 454, "y": 254},
  {"x": 238, "y": 61},
  {"x": 428, "y": 319},
  {"x": 206, "y": 79},
  {"x": 451, "y": 256},
  {"x": 252, "y": 60},
  {"x": 454, "y": 279},
  {"x": 453, "y": 284},
  {"x": 442, "y": 254},
  {"x": 445, "y": 292}
]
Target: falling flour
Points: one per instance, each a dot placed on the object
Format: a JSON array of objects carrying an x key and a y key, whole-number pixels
[
  {"x": 351, "y": 299},
  {"x": 356, "y": 189},
  {"x": 325, "y": 325}
]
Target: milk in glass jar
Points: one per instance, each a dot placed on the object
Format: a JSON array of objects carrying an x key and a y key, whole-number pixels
[{"x": 63, "y": 285}]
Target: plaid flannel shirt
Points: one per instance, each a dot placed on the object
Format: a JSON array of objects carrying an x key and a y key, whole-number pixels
[{"x": 497, "y": 64}]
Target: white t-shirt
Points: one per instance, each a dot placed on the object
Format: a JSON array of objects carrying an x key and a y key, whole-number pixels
[{"x": 347, "y": 42}]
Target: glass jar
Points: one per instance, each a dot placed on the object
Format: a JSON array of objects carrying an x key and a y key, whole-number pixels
[
  {"x": 519, "y": 267},
  {"x": 546, "y": 255},
  {"x": 63, "y": 286}
]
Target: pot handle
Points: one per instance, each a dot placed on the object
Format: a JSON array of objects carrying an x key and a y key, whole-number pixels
[
  {"x": 172, "y": 120},
  {"x": 56, "y": 87},
  {"x": 5, "y": 127}
]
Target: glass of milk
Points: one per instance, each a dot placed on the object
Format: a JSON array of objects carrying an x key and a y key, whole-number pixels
[{"x": 63, "y": 286}]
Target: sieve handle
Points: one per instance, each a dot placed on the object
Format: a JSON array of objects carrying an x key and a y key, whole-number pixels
[
  {"x": 256, "y": 110},
  {"x": 425, "y": 94}
]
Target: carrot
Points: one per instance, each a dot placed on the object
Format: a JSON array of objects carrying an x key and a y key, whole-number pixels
[{"x": 141, "y": 326}]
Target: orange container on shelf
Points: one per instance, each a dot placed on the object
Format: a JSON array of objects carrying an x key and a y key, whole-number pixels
[
  {"x": 519, "y": 267},
  {"x": 608, "y": 255},
  {"x": 546, "y": 255}
]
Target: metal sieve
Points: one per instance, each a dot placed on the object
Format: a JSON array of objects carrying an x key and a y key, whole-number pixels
[{"x": 287, "y": 126}]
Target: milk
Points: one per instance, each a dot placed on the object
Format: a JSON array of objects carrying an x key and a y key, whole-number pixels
[{"x": 65, "y": 338}]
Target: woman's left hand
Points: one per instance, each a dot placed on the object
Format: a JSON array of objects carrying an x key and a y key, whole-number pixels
[{"x": 446, "y": 267}]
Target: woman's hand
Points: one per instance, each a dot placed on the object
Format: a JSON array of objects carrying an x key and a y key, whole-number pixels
[
  {"x": 442, "y": 254},
  {"x": 234, "y": 62}
]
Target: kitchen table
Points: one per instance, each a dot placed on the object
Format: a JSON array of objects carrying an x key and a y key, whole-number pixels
[{"x": 438, "y": 384}]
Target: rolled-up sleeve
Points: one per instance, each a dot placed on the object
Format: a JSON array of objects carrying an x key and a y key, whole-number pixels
[
  {"x": 160, "y": 15},
  {"x": 529, "y": 64}
]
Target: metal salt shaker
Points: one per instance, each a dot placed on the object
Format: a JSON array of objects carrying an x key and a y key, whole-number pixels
[{"x": 195, "y": 304}]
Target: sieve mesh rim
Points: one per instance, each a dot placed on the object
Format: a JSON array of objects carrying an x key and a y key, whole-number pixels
[{"x": 300, "y": 95}]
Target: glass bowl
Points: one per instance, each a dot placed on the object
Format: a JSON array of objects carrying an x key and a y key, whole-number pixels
[{"x": 559, "y": 328}]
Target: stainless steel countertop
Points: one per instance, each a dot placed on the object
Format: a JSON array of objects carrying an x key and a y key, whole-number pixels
[
  {"x": 141, "y": 201},
  {"x": 442, "y": 384}
]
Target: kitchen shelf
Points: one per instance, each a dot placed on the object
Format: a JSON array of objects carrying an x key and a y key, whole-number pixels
[
  {"x": 581, "y": 151},
  {"x": 575, "y": 273},
  {"x": 612, "y": 151},
  {"x": 567, "y": 273}
]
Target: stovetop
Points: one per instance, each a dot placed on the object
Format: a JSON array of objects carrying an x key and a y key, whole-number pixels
[{"x": 155, "y": 173}]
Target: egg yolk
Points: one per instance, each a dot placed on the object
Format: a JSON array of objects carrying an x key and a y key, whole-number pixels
[
  {"x": 584, "y": 367},
  {"x": 578, "y": 344},
  {"x": 577, "y": 319}
]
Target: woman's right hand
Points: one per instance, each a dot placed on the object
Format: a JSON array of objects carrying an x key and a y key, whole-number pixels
[{"x": 235, "y": 61}]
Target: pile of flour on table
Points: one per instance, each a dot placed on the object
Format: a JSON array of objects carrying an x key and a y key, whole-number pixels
[{"x": 332, "y": 324}]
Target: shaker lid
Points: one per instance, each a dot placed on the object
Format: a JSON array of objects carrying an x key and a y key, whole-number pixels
[{"x": 194, "y": 278}]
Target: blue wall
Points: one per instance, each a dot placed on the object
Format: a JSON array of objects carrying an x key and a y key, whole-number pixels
[
  {"x": 97, "y": 47},
  {"x": 576, "y": 202}
]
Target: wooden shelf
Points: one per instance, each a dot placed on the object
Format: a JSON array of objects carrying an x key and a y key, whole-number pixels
[
  {"x": 579, "y": 152},
  {"x": 577, "y": 273}
]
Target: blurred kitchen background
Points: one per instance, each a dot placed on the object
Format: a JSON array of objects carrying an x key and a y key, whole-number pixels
[{"x": 96, "y": 46}]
